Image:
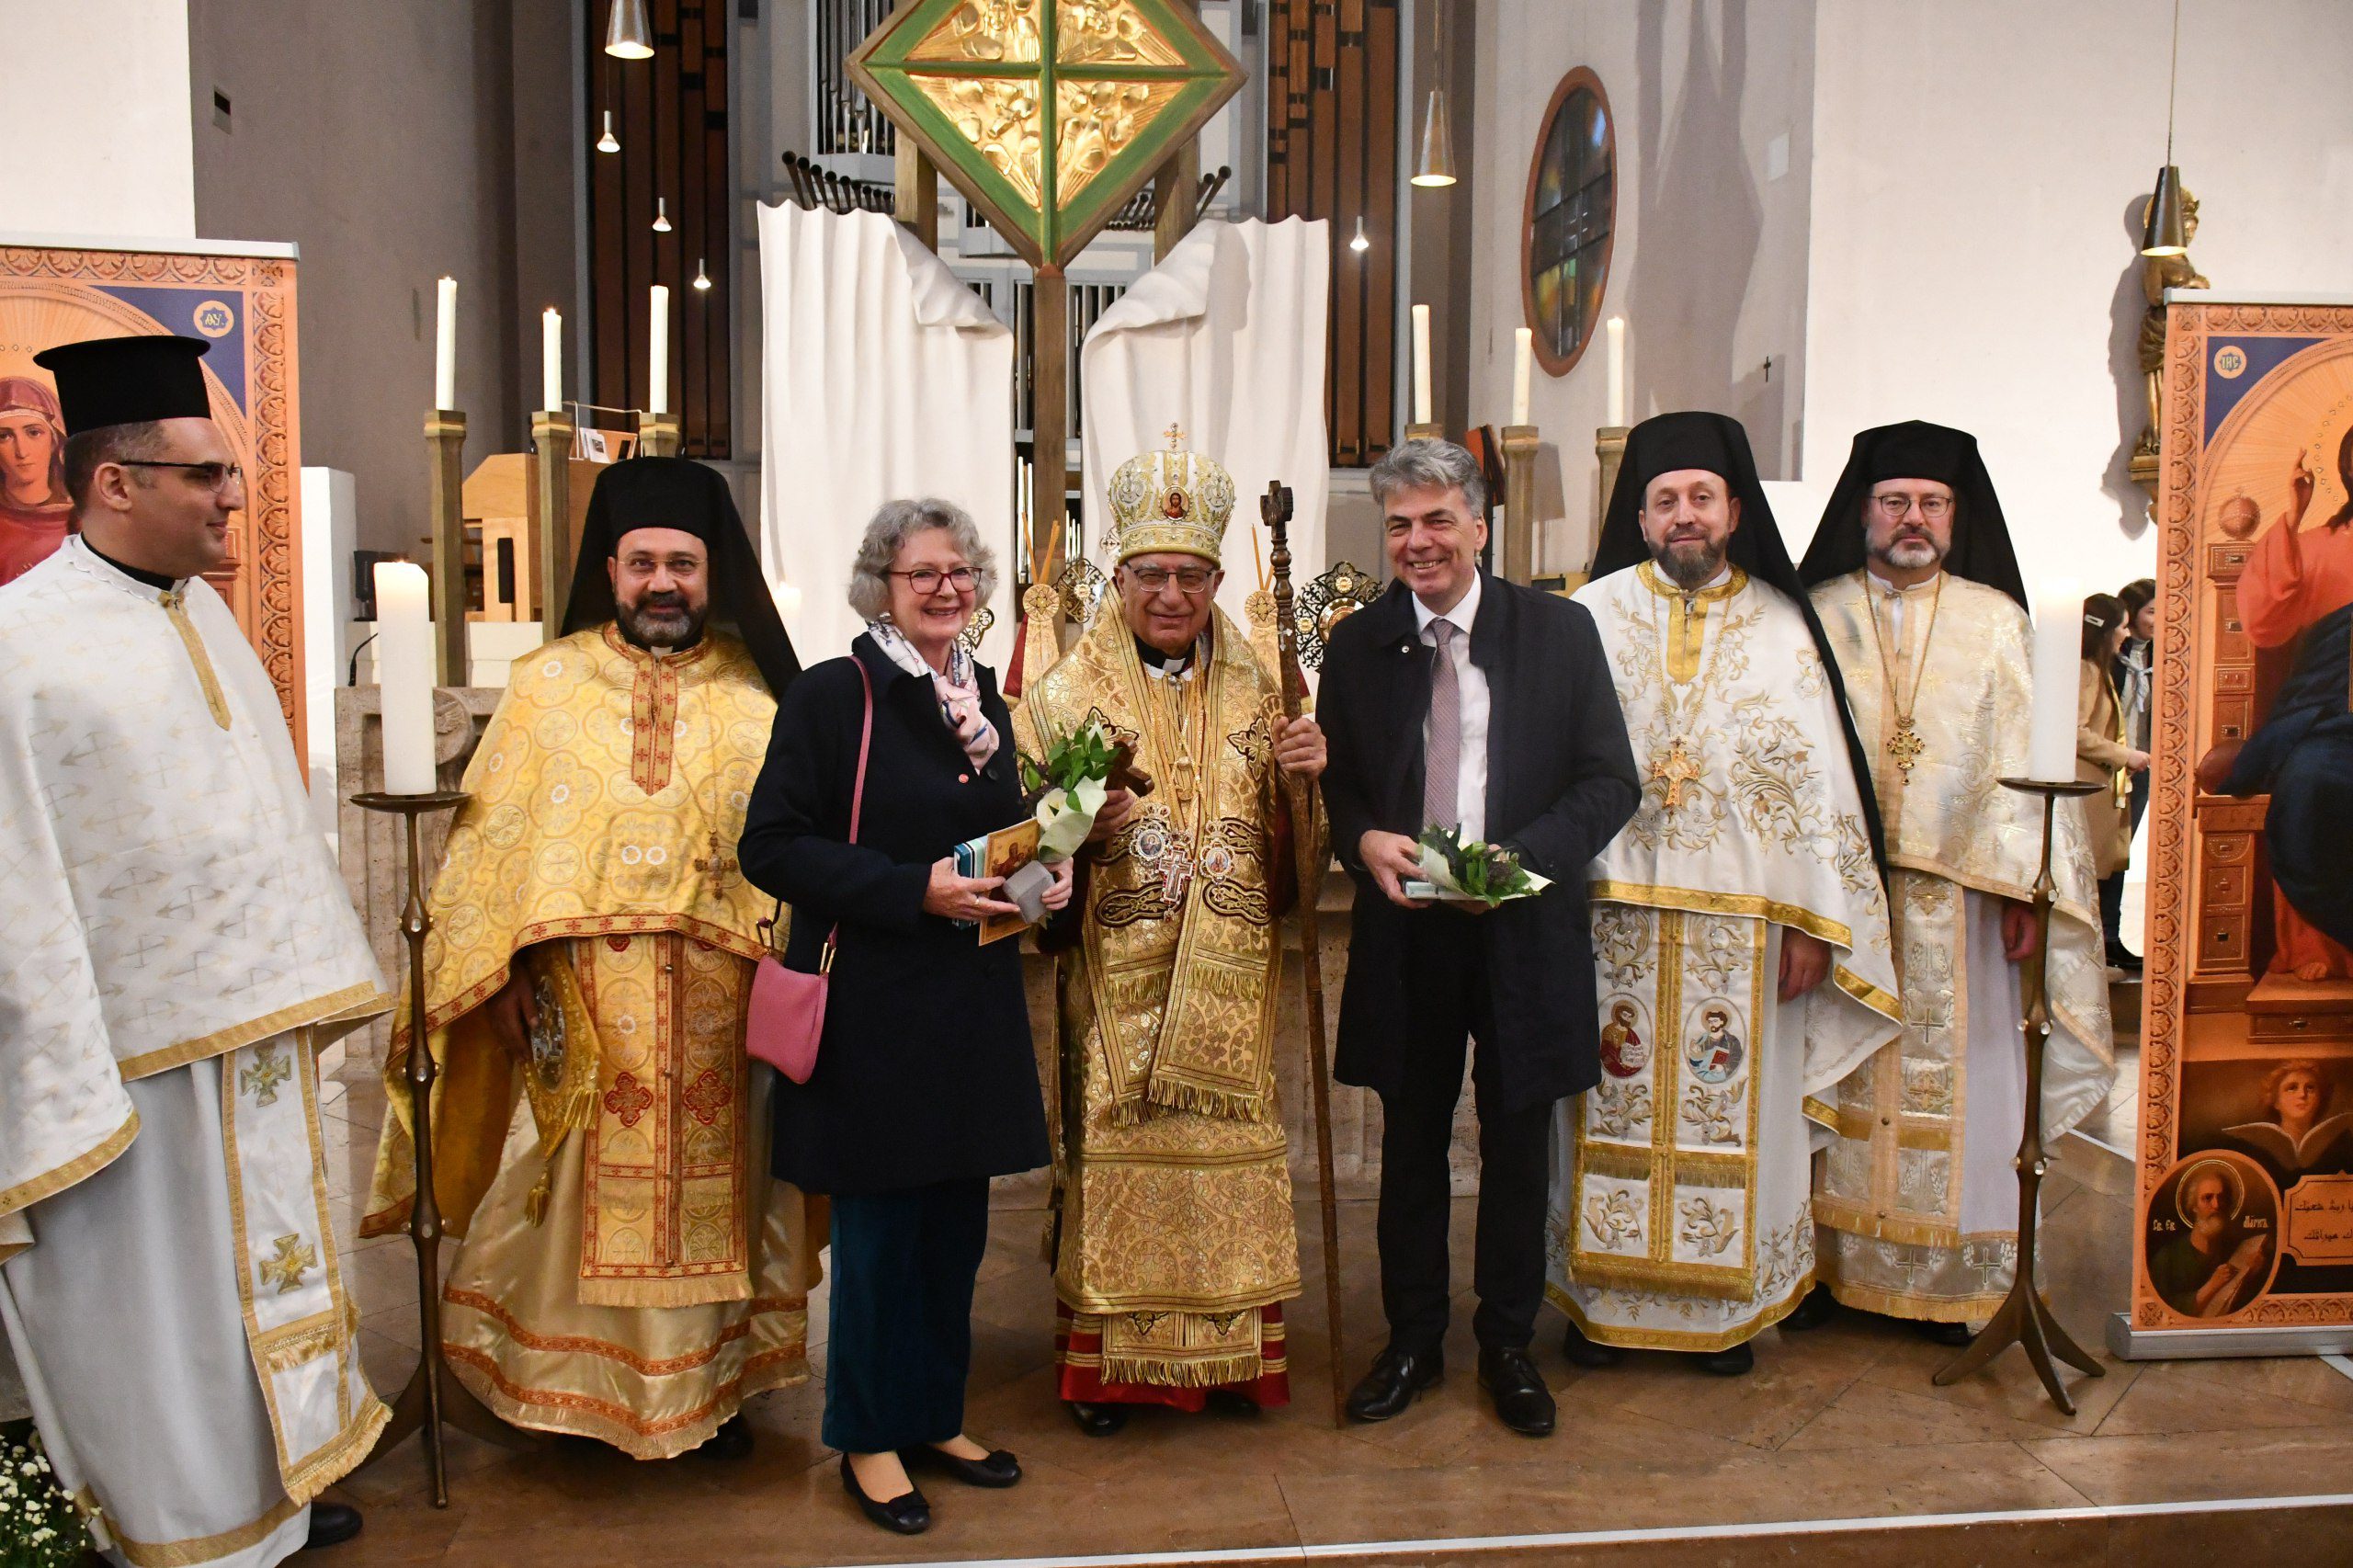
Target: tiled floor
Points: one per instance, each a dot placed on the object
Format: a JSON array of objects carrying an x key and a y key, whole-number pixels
[{"x": 1840, "y": 1423}]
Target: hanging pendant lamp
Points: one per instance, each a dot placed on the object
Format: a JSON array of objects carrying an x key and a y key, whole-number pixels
[
  {"x": 660, "y": 215},
  {"x": 1436, "y": 166},
  {"x": 1359, "y": 242},
  {"x": 702, "y": 275},
  {"x": 608, "y": 142},
  {"x": 2165, "y": 230},
  {"x": 626, "y": 35}
]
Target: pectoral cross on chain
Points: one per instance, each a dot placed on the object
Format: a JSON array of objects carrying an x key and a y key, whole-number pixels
[
  {"x": 1676, "y": 772},
  {"x": 1905, "y": 747},
  {"x": 723, "y": 865}
]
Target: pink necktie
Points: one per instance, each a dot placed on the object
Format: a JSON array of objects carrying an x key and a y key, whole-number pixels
[{"x": 1443, "y": 767}]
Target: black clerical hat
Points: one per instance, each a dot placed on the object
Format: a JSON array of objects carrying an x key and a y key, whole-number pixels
[
  {"x": 1916, "y": 449},
  {"x": 678, "y": 492},
  {"x": 128, "y": 380}
]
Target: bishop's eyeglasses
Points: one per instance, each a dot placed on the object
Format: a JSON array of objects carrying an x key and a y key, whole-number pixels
[
  {"x": 1190, "y": 579},
  {"x": 1932, "y": 508}
]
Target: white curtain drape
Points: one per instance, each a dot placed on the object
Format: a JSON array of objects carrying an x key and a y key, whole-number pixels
[
  {"x": 884, "y": 377},
  {"x": 1225, "y": 339}
]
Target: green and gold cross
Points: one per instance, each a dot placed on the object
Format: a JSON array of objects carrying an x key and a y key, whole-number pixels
[{"x": 1048, "y": 114}]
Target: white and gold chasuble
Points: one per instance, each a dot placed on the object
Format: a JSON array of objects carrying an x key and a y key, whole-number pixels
[
  {"x": 180, "y": 943},
  {"x": 629, "y": 1271},
  {"x": 1175, "y": 1212},
  {"x": 1916, "y": 1195},
  {"x": 1680, "y": 1215}
]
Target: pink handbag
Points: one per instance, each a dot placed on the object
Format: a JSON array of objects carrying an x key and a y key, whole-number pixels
[{"x": 787, "y": 1014}]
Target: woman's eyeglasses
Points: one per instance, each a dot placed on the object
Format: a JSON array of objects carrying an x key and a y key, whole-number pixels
[{"x": 927, "y": 579}]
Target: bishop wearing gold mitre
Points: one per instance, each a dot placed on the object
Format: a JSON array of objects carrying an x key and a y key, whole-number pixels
[
  {"x": 1739, "y": 926},
  {"x": 1912, "y": 574},
  {"x": 628, "y": 1272},
  {"x": 1176, "y": 1247}
]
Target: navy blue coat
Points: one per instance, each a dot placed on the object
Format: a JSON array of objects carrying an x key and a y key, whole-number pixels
[{"x": 925, "y": 1073}]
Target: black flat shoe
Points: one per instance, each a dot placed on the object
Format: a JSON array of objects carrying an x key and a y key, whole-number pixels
[
  {"x": 1522, "y": 1401},
  {"x": 332, "y": 1524},
  {"x": 1234, "y": 1401},
  {"x": 1734, "y": 1361},
  {"x": 732, "y": 1441},
  {"x": 1000, "y": 1469},
  {"x": 907, "y": 1514},
  {"x": 1096, "y": 1420},
  {"x": 1954, "y": 1333},
  {"x": 1589, "y": 1353},
  {"x": 1396, "y": 1376},
  {"x": 1818, "y": 1308}
]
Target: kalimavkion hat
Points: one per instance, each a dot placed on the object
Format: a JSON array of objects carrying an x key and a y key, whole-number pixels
[{"x": 128, "y": 380}]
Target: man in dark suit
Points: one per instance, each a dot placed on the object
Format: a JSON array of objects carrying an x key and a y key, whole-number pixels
[{"x": 1460, "y": 699}]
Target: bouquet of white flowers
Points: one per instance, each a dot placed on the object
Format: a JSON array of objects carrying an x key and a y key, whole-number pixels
[
  {"x": 39, "y": 1527},
  {"x": 1456, "y": 873},
  {"x": 1071, "y": 786}
]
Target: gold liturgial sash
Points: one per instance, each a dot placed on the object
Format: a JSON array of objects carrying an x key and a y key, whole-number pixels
[
  {"x": 608, "y": 793},
  {"x": 1664, "y": 1190},
  {"x": 1179, "y": 933}
]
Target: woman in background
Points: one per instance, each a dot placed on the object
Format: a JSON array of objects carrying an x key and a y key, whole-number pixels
[{"x": 2102, "y": 755}]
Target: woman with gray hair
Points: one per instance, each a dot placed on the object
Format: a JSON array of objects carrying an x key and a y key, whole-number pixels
[{"x": 924, "y": 1086}]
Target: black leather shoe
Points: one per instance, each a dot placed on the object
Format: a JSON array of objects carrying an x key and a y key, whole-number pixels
[
  {"x": 1734, "y": 1361},
  {"x": 1096, "y": 1420},
  {"x": 1396, "y": 1376},
  {"x": 332, "y": 1524},
  {"x": 907, "y": 1514},
  {"x": 1522, "y": 1401},
  {"x": 1234, "y": 1401},
  {"x": 732, "y": 1441},
  {"x": 1954, "y": 1333},
  {"x": 1818, "y": 1308},
  {"x": 1589, "y": 1353},
  {"x": 1000, "y": 1469}
]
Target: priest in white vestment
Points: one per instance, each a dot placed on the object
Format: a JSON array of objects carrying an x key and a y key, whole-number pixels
[
  {"x": 1740, "y": 930},
  {"x": 1915, "y": 582},
  {"x": 180, "y": 946}
]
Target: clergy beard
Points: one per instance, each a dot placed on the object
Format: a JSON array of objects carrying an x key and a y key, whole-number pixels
[
  {"x": 660, "y": 620},
  {"x": 1909, "y": 552},
  {"x": 1692, "y": 564}
]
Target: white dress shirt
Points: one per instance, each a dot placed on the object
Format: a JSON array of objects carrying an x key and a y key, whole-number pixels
[{"x": 1471, "y": 778}]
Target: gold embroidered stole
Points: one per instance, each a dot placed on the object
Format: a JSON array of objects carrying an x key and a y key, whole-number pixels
[{"x": 1179, "y": 931}]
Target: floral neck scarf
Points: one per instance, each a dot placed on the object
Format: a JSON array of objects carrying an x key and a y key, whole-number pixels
[{"x": 958, "y": 690}]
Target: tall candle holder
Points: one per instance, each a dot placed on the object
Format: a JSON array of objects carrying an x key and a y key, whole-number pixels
[
  {"x": 658, "y": 435},
  {"x": 2025, "y": 1318},
  {"x": 425, "y": 1404},
  {"x": 551, "y": 437},
  {"x": 1610, "y": 452},
  {"x": 1520, "y": 444},
  {"x": 444, "y": 446},
  {"x": 1430, "y": 430}
]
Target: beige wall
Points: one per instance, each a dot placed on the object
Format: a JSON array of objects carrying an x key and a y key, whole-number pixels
[
  {"x": 98, "y": 96},
  {"x": 394, "y": 143}
]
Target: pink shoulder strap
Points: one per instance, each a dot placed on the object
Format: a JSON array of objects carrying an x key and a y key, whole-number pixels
[{"x": 865, "y": 740}]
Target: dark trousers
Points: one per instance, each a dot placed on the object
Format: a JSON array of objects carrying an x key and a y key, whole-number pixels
[
  {"x": 900, "y": 1341},
  {"x": 1447, "y": 1000},
  {"x": 2111, "y": 889}
]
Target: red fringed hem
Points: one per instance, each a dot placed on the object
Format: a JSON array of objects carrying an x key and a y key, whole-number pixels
[{"x": 1084, "y": 1384}]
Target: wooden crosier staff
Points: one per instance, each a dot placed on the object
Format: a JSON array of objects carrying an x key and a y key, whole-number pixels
[{"x": 1275, "y": 510}]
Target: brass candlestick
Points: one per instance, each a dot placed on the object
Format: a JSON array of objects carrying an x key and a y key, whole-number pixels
[
  {"x": 657, "y": 435},
  {"x": 1609, "y": 449},
  {"x": 2024, "y": 1318},
  {"x": 552, "y": 436},
  {"x": 1520, "y": 443},
  {"x": 445, "y": 445},
  {"x": 1432, "y": 431},
  {"x": 425, "y": 1402}
]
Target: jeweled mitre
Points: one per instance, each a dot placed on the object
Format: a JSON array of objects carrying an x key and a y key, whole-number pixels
[{"x": 1170, "y": 500}]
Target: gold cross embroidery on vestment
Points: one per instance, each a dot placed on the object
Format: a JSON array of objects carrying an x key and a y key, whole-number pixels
[
  {"x": 264, "y": 1074},
  {"x": 285, "y": 1268}
]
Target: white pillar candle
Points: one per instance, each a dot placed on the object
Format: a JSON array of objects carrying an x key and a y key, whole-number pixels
[
  {"x": 1523, "y": 365},
  {"x": 788, "y": 604},
  {"x": 404, "y": 675},
  {"x": 550, "y": 359},
  {"x": 445, "y": 345},
  {"x": 2058, "y": 651},
  {"x": 1421, "y": 364},
  {"x": 657, "y": 387},
  {"x": 1616, "y": 373}
]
